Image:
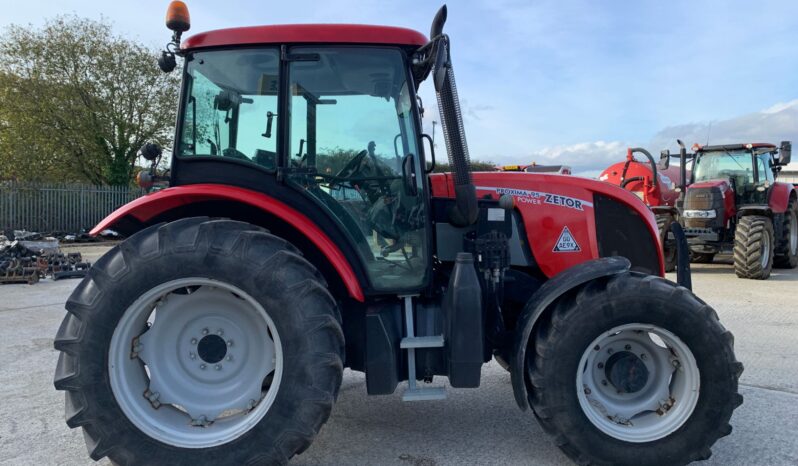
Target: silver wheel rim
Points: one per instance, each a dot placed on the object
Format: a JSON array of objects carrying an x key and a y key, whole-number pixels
[
  {"x": 620, "y": 402},
  {"x": 765, "y": 252},
  {"x": 195, "y": 363},
  {"x": 793, "y": 233}
]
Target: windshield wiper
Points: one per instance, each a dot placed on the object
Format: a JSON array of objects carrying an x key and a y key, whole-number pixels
[{"x": 734, "y": 158}]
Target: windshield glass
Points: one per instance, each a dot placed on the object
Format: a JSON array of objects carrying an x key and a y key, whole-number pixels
[
  {"x": 723, "y": 165},
  {"x": 231, "y": 105}
]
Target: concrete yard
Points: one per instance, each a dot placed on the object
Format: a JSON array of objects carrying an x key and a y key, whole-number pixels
[{"x": 481, "y": 426}]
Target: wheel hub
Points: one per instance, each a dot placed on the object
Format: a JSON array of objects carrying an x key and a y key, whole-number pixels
[
  {"x": 637, "y": 382},
  {"x": 208, "y": 364},
  {"x": 192, "y": 357},
  {"x": 212, "y": 348},
  {"x": 626, "y": 372}
]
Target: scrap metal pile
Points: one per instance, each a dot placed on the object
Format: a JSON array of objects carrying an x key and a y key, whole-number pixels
[{"x": 30, "y": 257}]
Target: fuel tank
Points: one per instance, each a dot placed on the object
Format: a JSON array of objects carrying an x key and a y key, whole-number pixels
[
  {"x": 567, "y": 220},
  {"x": 639, "y": 180}
]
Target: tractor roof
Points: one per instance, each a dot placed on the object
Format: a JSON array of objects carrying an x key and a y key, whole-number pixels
[
  {"x": 755, "y": 145},
  {"x": 307, "y": 34}
]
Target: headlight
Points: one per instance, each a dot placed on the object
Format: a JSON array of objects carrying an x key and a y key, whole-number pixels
[{"x": 700, "y": 214}]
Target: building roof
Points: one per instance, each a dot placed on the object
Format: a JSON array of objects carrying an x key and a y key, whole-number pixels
[{"x": 307, "y": 34}]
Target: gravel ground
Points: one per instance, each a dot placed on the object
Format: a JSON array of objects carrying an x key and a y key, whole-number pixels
[{"x": 481, "y": 426}]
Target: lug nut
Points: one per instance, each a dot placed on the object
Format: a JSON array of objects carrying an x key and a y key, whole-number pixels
[
  {"x": 205, "y": 331},
  {"x": 229, "y": 358},
  {"x": 193, "y": 341},
  {"x": 603, "y": 382},
  {"x": 220, "y": 332},
  {"x": 596, "y": 348},
  {"x": 218, "y": 367},
  {"x": 643, "y": 356},
  {"x": 229, "y": 342},
  {"x": 628, "y": 347},
  {"x": 601, "y": 365},
  {"x": 203, "y": 366},
  {"x": 609, "y": 351},
  {"x": 192, "y": 356}
]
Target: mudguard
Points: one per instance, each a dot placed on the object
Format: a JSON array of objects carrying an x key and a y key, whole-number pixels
[
  {"x": 147, "y": 208},
  {"x": 541, "y": 300}
]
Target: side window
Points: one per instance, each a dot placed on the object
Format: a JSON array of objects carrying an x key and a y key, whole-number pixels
[
  {"x": 765, "y": 172},
  {"x": 231, "y": 106}
]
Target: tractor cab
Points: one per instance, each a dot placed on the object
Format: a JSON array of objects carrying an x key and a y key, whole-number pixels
[
  {"x": 344, "y": 121},
  {"x": 748, "y": 169}
]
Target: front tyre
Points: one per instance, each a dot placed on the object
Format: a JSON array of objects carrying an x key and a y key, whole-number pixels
[
  {"x": 200, "y": 342},
  {"x": 787, "y": 249},
  {"x": 633, "y": 369},
  {"x": 754, "y": 247}
]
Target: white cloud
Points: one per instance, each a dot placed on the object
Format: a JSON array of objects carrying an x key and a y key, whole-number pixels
[{"x": 774, "y": 124}]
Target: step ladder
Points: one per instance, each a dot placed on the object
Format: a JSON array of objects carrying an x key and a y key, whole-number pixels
[{"x": 411, "y": 343}]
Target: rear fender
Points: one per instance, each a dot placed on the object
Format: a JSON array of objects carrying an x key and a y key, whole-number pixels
[
  {"x": 147, "y": 209},
  {"x": 541, "y": 302},
  {"x": 780, "y": 195}
]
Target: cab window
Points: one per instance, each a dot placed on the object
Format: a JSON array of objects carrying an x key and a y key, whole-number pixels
[{"x": 230, "y": 109}]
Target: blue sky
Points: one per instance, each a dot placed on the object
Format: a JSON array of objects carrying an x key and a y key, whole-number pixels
[{"x": 556, "y": 81}]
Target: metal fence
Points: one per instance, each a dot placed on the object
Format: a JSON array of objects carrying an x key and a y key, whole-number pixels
[{"x": 52, "y": 208}]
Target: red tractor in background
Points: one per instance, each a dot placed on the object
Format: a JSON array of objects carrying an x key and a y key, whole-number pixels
[
  {"x": 535, "y": 168},
  {"x": 654, "y": 184},
  {"x": 734, "y": 204},
  {"x": 288, "y": 246}
]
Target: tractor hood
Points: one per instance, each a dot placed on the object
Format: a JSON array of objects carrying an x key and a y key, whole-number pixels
[
  {"x": 724, "y": 185},
  {"x": 601, "y": 219}
]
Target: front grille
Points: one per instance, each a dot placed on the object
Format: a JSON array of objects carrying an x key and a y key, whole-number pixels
[
  {"x": 621, "y": 231},
  {"x": 704, "y": 199}
]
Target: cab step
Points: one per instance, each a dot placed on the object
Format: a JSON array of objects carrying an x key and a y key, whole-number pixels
[{"x": 410, "y": 343}]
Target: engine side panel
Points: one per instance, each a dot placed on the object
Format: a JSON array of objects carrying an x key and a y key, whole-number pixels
[{"x": 559, "y": 215}]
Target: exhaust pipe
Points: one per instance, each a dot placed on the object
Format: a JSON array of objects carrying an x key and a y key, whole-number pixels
[
  {"x": 465, "y": 210},
  {"x": 682, "y": 168}
]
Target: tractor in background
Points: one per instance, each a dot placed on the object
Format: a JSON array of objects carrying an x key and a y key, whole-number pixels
[
  {"x": 290, "y": 244},
  {"x": 654, "y": 183},
  {"x": 535, "y": 168},
  {"x": 732, "y": 203}
]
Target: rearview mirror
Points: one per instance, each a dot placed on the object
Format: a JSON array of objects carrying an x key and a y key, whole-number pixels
[
  {"x": 664, "y": 159},
  {"x": 785, "y": 150}
]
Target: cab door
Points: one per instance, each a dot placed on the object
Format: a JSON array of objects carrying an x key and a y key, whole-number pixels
[{"x": 353, "y": 147}]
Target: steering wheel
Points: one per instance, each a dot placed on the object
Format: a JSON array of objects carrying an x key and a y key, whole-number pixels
[{"x": 353, "y": 166}]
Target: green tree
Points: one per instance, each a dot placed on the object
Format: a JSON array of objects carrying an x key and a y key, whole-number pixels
[{"x": 78, "y": 101}]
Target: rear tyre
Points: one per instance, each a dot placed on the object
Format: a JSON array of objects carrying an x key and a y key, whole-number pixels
[
  {"x": 787, "y": 250},
  {"x": 633, "y": 369},
  {"x": 669, "y": 253},
  {"x": 701, "y": 257},
  {"x": 200, "y": 342},
  {"x": 753, "y": 247}
]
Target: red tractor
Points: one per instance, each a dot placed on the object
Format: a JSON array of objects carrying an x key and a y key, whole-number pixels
[
  {"x": 654, "y": 184},
  {"x": 290, "y": 244},
  {"x": 535, "y": 168},
  {"x": 733, "y": 204}
]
